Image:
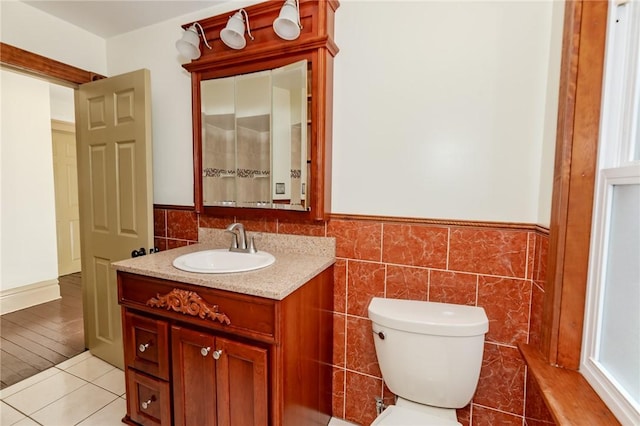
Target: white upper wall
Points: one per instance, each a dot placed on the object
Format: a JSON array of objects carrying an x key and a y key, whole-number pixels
[
  {"x": 441, "y": 109},
  {"x": 548, "y": 153},
  {"x": 30, "y": 29}
]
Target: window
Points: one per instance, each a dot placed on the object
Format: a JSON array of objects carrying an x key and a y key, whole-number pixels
[{"x": 611, "y": 341}]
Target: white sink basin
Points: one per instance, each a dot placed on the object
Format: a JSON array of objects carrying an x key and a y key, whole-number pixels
[{"x": 222, "y": 261}]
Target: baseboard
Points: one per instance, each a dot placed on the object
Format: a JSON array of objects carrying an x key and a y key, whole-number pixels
[{"x": 14, "y": 299}]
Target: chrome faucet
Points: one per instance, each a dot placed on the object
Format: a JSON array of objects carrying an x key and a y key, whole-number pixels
[{"x": 239, "y": 239}]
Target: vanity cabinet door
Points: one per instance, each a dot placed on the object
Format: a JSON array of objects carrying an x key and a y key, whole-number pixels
[
  {"x": 194, "y": 377},
  {"x": 217, "y": 381},
  {"x": 242, "y": 384}
]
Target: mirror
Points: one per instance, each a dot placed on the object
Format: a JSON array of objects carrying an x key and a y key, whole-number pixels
[{"x": 255, "y": 139}]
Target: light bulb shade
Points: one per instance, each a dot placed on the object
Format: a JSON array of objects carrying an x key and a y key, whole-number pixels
[
  {"x": 233, "y": 34},
  {"x": 286, "y": 25},
  {"x": 189, "y": 44}
]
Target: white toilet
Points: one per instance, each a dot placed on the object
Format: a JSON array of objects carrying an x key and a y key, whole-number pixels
[{"x": 430, "y": 356}]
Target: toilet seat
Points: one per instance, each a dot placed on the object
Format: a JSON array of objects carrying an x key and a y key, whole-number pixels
[{"x": 394, "y": 415}]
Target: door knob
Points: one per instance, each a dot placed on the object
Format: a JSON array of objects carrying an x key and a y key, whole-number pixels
[
  {"x": 140, "y": 252},
  {"x": 142, "y": 347},
  {"x": 217, "y": 354},
  {"x": 205, "y": 351}
]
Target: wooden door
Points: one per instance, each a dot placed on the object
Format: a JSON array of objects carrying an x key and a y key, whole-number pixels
[
  {"x": 113, "y": 128},
  {"x": 241, "y": 385},
  {"x": 194, "y": 377},
  {"x": 65, "y": 178}
]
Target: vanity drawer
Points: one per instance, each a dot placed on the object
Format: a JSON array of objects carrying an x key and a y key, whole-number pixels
[
  {"x": 250, "y": 316},
  {"x": 148, "y": 399},
  {"x": 147, "y": 344}
]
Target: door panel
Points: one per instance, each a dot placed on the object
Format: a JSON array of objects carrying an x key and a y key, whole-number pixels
[
  {"x": 65, "y": 176},
  {"x": 113, "y": 127},
  {"x": 194, "y": 377},
  {"x": 242, "y": 389}
]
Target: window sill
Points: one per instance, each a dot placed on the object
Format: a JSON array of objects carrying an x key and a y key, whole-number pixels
[{"x": 566, "y": 393}]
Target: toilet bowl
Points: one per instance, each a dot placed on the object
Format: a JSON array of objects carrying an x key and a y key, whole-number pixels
[{"x": 430, "y": 356}]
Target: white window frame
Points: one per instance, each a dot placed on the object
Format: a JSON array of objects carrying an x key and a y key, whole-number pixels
[{"x": 618, "y": 164}]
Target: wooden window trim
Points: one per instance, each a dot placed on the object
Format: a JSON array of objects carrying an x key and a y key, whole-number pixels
[{"x": 585, "y": 24}]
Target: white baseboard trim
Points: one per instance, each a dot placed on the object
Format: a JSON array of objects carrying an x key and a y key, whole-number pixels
[{"x": 14, "y": 299}]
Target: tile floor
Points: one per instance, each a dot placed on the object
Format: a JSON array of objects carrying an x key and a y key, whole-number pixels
[{"x": 82, "y": 391}]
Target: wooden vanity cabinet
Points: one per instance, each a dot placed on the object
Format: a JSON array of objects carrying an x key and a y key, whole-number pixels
[{"x": 201, "y": 356}]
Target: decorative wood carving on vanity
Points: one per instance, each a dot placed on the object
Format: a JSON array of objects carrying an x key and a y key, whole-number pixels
[{"x": 188, "y": 303}]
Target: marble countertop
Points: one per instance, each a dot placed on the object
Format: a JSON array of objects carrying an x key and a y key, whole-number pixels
[{"x": 289, "y": 272}]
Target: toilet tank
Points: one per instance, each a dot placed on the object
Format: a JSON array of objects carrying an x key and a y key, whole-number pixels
[{"x": 429, "y": 352}]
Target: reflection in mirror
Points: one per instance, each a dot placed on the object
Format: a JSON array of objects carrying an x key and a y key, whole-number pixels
[{"x": 254, "y": 139}]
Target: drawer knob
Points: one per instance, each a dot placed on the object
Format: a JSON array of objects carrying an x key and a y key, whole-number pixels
[
  {"x": 217, "y": 354},
  {"x": 205, "y": 351},
  {"x": 147, "y": 403},
  {"x": 143, "y": 348}
]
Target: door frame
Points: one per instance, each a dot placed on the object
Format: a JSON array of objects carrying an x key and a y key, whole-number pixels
[{"x": 40, "y": 66}]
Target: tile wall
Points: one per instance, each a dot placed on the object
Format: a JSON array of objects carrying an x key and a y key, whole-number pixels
[{"x": 499, "y": 268}]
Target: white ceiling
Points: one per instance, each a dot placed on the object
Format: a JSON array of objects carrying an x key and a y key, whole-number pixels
[{"x": 108, "y": 18}]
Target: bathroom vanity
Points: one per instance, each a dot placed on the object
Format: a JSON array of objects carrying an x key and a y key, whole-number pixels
[{"x": 250, "y": 348}]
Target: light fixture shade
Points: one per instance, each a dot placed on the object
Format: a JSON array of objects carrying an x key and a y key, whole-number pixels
[
  {"x": 233, "y": 34},
  {"x": 287, "y": 24},
  {"x": 189, "y": 43}
]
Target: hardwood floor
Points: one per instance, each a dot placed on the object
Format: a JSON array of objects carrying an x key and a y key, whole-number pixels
[{"x": 37, "y": 338}]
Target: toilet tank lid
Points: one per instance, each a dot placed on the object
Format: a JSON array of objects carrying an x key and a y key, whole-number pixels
[{"x": 440, "y": 319}]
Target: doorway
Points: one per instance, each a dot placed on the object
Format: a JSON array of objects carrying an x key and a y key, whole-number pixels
[{"x": 49, "y": 331}]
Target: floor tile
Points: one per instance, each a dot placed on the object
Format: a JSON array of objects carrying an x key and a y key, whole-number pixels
[
  {"x": 90, "y": 368},
  {"x": 10, "y": 390},
  {"x": 76, "y": 359},
  {"x": 74, "y": 407},
  {"x": 26, "y": 422},
  {"x": 110, "y": 415},
  {"x": 45, "y": 392},
  {"x": 113, "y": 381},
  {"x": 9, "y": 415}
]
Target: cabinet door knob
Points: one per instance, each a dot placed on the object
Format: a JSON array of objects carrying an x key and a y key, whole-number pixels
[
  {"x": 147, "y": 403},
  {"x": 205, "y": 351},
  {"x": 143, "y": 348},
  {"x": 217, "y": 354}
]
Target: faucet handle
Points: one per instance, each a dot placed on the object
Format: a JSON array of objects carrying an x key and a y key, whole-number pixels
[{"x": 252, "y": 246}]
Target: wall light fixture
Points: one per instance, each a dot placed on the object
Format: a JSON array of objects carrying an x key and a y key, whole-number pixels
[
  {"x": 287, "y": 25},
  {"x": 233, "y": 34},
  {"x": 189, "y": 43}
]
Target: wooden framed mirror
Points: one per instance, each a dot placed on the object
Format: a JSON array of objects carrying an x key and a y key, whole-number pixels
[{"x": 262, "y": 117}]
